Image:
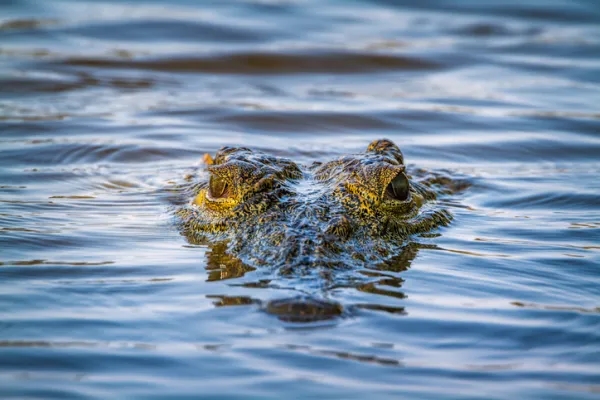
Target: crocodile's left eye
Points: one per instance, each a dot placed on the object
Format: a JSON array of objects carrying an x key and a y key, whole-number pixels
[{"x": 398, "y": 188}]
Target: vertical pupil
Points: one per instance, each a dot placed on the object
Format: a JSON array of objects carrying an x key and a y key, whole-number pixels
[
  {"x": 217, "y": 186},
  {"x": 399, "y": 187}
]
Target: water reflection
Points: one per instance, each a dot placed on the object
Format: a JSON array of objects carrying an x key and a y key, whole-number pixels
[
  {"x": 221, "y": 265},
  {"x": 364, "y": 358},
  {"x": 265, "y": 63},
  {"x": 310, "y": 306},
  {"x": 224, "y": 301}
]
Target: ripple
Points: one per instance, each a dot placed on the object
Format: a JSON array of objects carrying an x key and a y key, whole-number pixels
[
  {"x": 46, "y": 262},
  {"x": 305, "y": 121},
  {"x": 308, "y": 62},
  {"x": 149, "y": 30},
  {"x": 363, "y": 358},
  {"x": 67, "y": 152},
  {"x": 56, "y": 83},
  {"x": 495, "y": 29},
  {"x": 27, "y": 24},
  {"x": 556, "y": 308}
]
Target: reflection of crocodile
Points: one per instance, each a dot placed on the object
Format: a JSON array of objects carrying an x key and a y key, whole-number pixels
[{"x": 340, "y": 215}]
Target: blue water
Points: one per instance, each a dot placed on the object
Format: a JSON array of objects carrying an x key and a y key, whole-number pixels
[{"x": 105, "y": 107}]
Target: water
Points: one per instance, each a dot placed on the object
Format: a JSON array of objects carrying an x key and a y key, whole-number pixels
[{"x": 105, "y": 105}]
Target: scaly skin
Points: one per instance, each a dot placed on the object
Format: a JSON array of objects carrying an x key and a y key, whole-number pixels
[
  {"x": 331, "y": 214},
  {"x": 349, "y": 212}
]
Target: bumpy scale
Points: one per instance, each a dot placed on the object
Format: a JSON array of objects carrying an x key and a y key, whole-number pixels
[{"x": 344, "y": 213}]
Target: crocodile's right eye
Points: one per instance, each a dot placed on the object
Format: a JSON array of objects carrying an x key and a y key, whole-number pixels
[
  {"x": 398, "y": 188},
  {"x": 218, "y": 188}
]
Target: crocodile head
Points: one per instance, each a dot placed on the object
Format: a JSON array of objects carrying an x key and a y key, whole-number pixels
[
  {"x": 348, "y": 212},
  {"x": 354, "y": 209}
]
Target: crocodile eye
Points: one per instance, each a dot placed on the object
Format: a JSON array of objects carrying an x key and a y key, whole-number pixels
[
  {"x": 398, "y": 188},
  {"x": 217, "y": 188}
]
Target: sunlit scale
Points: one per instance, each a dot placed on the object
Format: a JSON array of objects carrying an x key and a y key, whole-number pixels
[
  {"x": 350, "y": 210},
  {"x": 346, "y": 213}
]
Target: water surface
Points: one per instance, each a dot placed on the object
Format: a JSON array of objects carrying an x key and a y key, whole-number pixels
[{"x": 106, "y": 105}]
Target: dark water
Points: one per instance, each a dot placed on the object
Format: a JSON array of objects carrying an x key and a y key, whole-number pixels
[{"x": 105, "y": 105}]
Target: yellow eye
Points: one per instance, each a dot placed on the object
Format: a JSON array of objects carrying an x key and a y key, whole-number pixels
[
  {"x": 218, "y": 188},
  {"x": 398, "y": 188}
]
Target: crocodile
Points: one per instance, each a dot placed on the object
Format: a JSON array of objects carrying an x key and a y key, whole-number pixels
[{"x": 314, "y": 221}]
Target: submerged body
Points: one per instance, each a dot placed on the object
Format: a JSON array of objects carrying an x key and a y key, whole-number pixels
[{"x": 356, "y": 210}]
